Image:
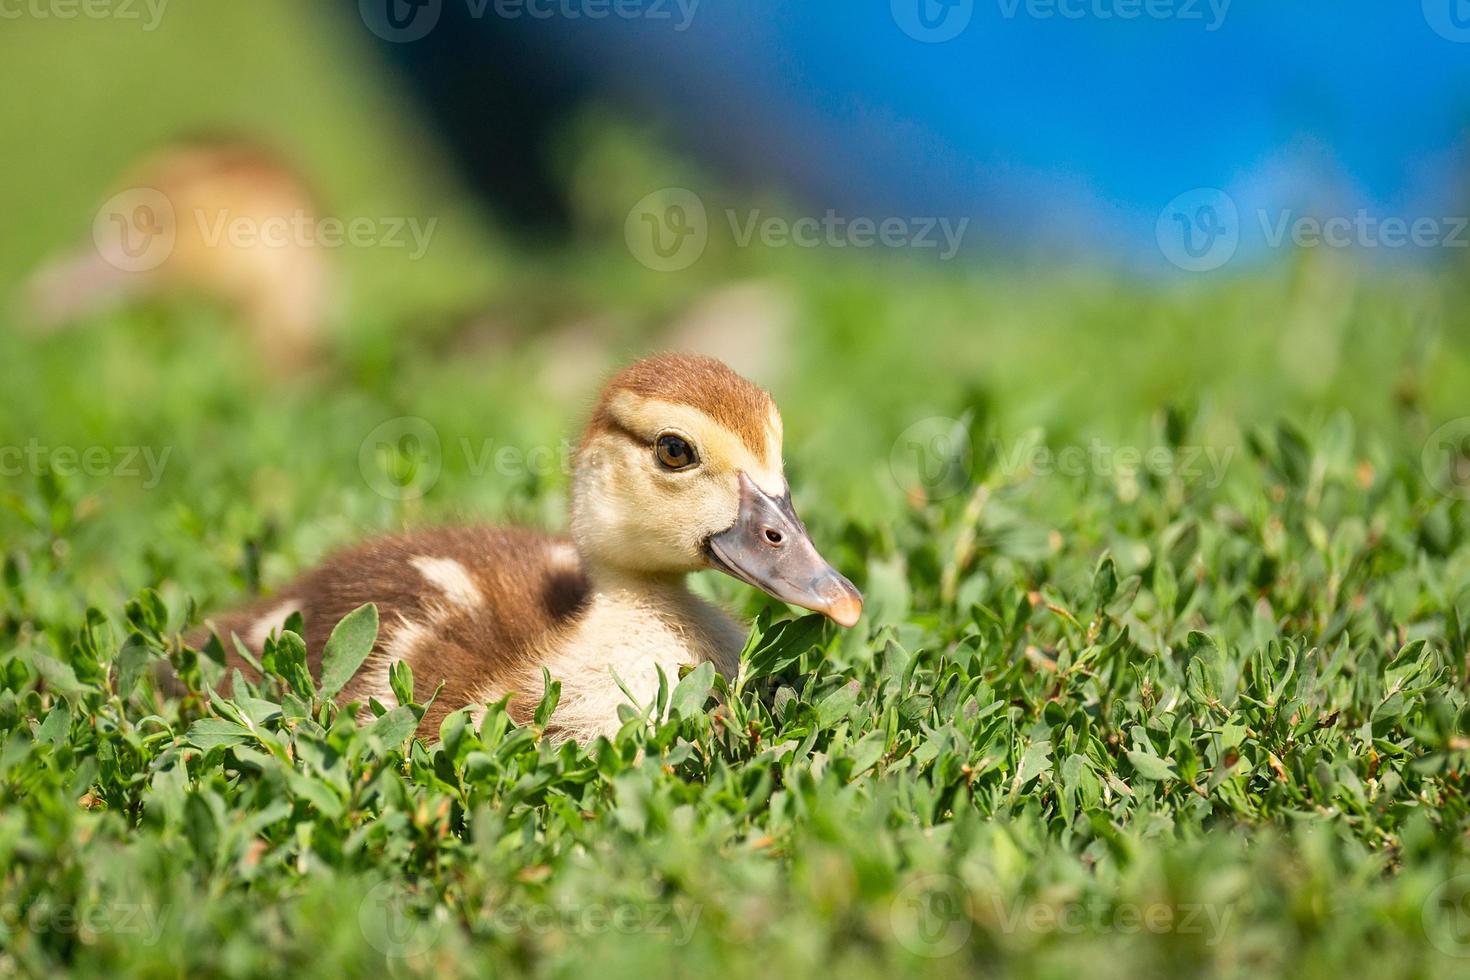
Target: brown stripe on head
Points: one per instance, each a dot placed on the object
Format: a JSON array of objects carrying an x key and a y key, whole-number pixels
[{"x": 701, "y": 383}]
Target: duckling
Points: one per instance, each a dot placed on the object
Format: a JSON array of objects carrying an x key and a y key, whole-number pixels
[
  {"x": 679, "y": 470},
  {"x": 170, "y": 234}
]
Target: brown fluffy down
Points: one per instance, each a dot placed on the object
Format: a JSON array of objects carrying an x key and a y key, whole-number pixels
[{"x": 530, "y": 592}]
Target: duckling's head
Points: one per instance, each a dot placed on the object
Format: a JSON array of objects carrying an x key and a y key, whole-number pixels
[{"x": 680, "y": 470}]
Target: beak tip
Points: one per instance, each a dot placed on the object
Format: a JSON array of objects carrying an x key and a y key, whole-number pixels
[{"x": 846, "y": 611}]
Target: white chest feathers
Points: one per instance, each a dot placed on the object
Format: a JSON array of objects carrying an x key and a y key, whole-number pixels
[{"x": 622, "y": 641}]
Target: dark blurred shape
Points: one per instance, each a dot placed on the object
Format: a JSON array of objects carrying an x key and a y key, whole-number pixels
[{"x": 498, "y": 99}]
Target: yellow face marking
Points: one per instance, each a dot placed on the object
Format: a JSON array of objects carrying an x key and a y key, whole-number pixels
[{"x": 718, "y": 447}]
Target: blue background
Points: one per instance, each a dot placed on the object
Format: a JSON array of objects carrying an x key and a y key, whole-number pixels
[{"x": 1059, "y": 135}]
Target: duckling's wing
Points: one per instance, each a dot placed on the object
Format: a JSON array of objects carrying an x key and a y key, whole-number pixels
[{"x": 463, "y": 606}]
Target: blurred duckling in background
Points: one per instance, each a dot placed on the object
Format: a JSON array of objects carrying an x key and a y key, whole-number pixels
[
  {"x": 210, "y": 218},
  {"x": 678, "y": 471}
]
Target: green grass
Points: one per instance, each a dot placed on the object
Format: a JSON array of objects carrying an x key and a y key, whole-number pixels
[
  {"x": 1203, "y": 716},
  {"x": 1164, "y": 721}
]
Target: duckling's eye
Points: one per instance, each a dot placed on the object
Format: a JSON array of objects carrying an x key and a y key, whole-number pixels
[{"x": 674, "y": 453}]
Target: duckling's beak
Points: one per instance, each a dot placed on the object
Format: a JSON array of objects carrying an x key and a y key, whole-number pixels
[{"x": 768, "y": 547}]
